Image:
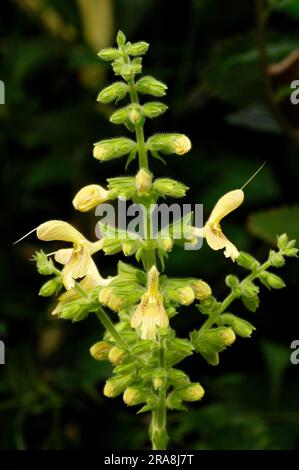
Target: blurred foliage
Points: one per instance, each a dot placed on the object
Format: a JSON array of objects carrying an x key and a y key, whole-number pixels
[
  {"x": 267, "y": 224},
  {"x": 207, "y": 53}
]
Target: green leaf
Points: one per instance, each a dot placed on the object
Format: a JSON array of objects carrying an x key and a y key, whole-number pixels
[
  {"x": 255, "y": 117},
  {"x": 233, "y": 70},
  {"x": 277, "y": 360},
  {"x": 291, "y": 7},
  {"x": 269, "y": 223}
]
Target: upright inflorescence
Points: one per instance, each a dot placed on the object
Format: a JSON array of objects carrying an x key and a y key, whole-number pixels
[{"x": 138, "y": 340}]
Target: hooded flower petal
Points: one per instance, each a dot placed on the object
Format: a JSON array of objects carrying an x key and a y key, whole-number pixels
[
  {"x": 226, "y": 204},
  {"x": 212, "y": 230},
  {"x": 59, "y": 230},
  {"x": 89, "y": 197},
  {"x": 150, "y": 313}
]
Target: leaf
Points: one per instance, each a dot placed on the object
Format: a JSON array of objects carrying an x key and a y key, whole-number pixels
[
  {"x": 291, "y": 7},
  {"x": 255, "y": 117},
  {"x": 233, "y": 71},
  {"x": 277, "y": 360},
  {"x": 270, "y": 223}
]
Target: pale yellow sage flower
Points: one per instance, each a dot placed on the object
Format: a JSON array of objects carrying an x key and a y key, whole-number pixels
[
  {"x": 89, "y": 197},
  {"x": 79, "y": 262},
  {"x": 182, "y": 145},
  {"x": 150, "y": 313},
  {"x": 212, "y": 231}
]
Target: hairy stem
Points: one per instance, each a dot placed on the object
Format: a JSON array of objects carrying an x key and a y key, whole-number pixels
[
  {"x": 231, "y": 297},
  {"x": 158, "y": 425},
  {"x": 158, "y": 431},
  {"x": 107, "y": 323}
]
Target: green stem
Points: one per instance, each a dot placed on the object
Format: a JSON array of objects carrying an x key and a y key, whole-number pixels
[
  {"x": 231, "y": 297},
  {"x": 107, "y": 323},
  {"x": 159, "y": 435},
  {"x": 158, "y": 431}
]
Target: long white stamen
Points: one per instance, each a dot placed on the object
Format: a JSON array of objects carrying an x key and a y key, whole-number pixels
[
  {"x": 251, "y": 178},
  {"x": 27, "y": 234}
]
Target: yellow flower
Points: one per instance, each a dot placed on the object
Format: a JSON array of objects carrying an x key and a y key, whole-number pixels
[
  {"x": 150, "y": 313},
  {"x": 212, "y": 230},
  {"x": 89, "y": 197},
  {"x": 89, "y": 282},
  {"x": 79, "y": 261},
  {"x": 182, "y": 145}
]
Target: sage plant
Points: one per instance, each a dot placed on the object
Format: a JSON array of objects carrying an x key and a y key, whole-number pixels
[{"x": 137, "y": 304}]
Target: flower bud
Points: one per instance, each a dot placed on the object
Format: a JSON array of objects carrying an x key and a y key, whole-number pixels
[
  {"x": 116, "y": 355},
  {"x": 192, "y": 392},
  {"x": 201, "y": 289},
  {"x": 50, "y": 287},
  {"x": 120, "y": 39},
  {"x": 241, "y": 327},
  {"x": 134, "y": 114},
  {"x": 154, "y": 109},
  {"x": 272, "y": 281},
  {"x": 119, "y": 117},
  {"x": 76, "y": 310},
  {"x": 115, "y": 92},
  {"x": 123, "y": 186},
  {"x": 108, "y": 297},
  {"x": 129, "y": 247},
  {"x": 220, "y": 337},
  {"x": 247, "y": 261},
  {"x": 127, "y": 70},
  {"x": 133, "y": 396},
  {"x": 165, "y": 244},
  {"x": 184, "y": 295},
  {"x": 292, "y": 252},
  {"x": 282, "y": 241},
  {"x": 137, "y": 48},
  {"x": 116, "y": 385},
  {"x": 44, "y": 264},
  {"x": 249, "y": 289},
  {"x": 99, "y": 351},
  {"x": 150, "y": 86},
  {"x": 143, "y": 181},
  {"x": 169, "y": 143},
  {"x": 157, "y": 382},
  {"x": 169, "y": 187},
  {"x": 177, "y": 377},
  {"x": 232, "y": 281},
  {"x": 113, "y": 148},
  {"x": 276, "y": 259},
  {"x": 109, "y": 54},
  {"x": 89, "y": 197}
]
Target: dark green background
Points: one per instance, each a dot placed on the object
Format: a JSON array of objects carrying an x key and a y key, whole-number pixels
[{"x": 50, "y": 387}]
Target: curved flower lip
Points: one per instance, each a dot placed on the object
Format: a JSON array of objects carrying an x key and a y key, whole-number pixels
[
  {"x": 79, "y": 259},
  {"x": 149, "y": 314},
  {"x": 212, "y": 231},
  {"x": 64, "y": 255}
]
